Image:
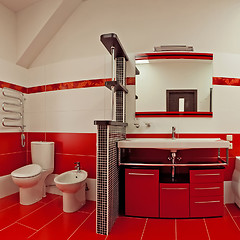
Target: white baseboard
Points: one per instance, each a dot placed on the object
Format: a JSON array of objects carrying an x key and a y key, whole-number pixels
[{"x": 7, "y": 186}]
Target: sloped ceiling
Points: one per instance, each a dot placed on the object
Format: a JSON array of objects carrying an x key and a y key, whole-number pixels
[
  {"x": 37, "y": 41},
  {"x": 17, "y": 5}
]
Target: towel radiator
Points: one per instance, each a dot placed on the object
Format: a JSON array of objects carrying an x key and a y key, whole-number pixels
[{"x": 13, "y": 106}]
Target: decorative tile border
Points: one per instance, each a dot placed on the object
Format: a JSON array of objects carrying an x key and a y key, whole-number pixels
[
  {"x": 13, "y": 86},
  {"x": 63, "y": 86},
  {"x": 99, "y": 83},
  {"x": 226, "y": 81}
]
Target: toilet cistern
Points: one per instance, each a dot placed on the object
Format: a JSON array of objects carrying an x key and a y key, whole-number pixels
[{"x": 77, "y": 167}]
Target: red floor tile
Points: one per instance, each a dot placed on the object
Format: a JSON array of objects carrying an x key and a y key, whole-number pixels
[
  {"x": 222, "y": 228},
  {"x": 233, "y": 209},
  {"x": 62, "y": 227},
  {"x": 159, "y": 229},
  {"x": 237, "y": 221},
  {"x": 49, "y": 197},
  {"x": 16, "y": 231},
  {"x": 188, "y": 229},
  {"x": 89, "y": 207},
  {"x": 16, "y": 212},
  {"x": 87, "y": 230},
  {"x": 9, "y": 201},
  {"x": 127, "y": 228},
  {"x": 43, "y": 215}
]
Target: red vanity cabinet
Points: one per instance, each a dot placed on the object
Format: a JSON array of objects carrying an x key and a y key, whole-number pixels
[
  {"x": 206, "y": 193},
  {"x": 174, "y": 200},
  {"x": 142, "y": 192}
]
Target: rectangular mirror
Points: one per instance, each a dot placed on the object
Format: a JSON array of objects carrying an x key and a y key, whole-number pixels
[{"x": 174, "y": 82}]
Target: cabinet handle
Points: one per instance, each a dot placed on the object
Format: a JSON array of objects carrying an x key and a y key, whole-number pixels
[
  {"x": 208, "y": 174},
  {"x": 209, "y": 202},
  {"x": 210, "y": 188},
  {"x": 142, "y": 174},
  {"x": 174, "y": 188}
]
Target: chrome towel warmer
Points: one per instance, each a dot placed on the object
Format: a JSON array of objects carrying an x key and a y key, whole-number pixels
[{"x": 15, "y": 109}]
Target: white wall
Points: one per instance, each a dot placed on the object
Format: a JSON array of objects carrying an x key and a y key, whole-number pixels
[{"x": 8, "y": 34}]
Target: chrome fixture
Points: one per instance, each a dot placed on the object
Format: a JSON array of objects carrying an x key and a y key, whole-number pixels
[
  {"x": 173, "y": 48},
  {"x": 148, "y": 124},
  {"x": 77, "y": 167},
  {"x": 14, "y": 107},
  {"x": 172, "y": 159},
  {"x": 173, "y": 133},
  {"x": 137, "y": 125}
]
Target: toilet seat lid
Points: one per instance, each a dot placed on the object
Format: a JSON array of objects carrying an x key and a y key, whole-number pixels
[{"x": 30, "y": 170}]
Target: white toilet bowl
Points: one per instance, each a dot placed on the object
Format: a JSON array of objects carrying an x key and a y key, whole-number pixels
[
  {"x": 236, "y": 182},
  {"x": 31, "y": 178},
  {"x": 73, "y": 186}
]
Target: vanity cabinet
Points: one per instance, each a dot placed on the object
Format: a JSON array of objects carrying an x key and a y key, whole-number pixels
[
  {"x": 142, "y": 192},
  {"x": 206, "y": 193},
  {"x": 174, "y": 200}
]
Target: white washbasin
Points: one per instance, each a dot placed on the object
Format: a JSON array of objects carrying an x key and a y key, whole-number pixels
[{"x": 173, "y": 144}]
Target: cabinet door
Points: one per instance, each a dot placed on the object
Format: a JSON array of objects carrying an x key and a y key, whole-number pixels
[
  {"x": 174, "y": 200},
  {"x": 210, "y": 206},
  {"x": 206, "y": 189},
  {"x": 206, "y": 176},
  {"x": 142, "y": 192}
]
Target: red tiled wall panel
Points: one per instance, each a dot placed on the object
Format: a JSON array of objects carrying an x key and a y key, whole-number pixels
[
  {"x": 12, "y": 155},
  {"x": 69, "y": 148}
]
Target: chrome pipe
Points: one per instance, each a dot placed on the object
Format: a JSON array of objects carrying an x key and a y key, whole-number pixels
[
  {"x": 113, "y": 79},
  {"x": 4, "y": 92},
  {"x": 176, "y": 164}
]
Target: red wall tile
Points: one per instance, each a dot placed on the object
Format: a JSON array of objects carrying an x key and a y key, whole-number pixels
[
  {"x": 69, "y": 148},
  {"x": 73, "y": 143},
  {"x": 10, "y": 142},
  {"x": 65, "y": 162},
  {"x": 10, "y": 162}
]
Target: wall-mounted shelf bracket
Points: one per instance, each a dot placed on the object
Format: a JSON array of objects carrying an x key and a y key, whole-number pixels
[
  {"x": 110, "y": 40},
  {"x": 116, "y": 85}
]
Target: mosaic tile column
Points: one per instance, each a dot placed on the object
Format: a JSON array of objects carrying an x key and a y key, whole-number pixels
[{"x": 109, "y": 133}]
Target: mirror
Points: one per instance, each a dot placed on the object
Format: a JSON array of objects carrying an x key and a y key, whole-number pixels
[{"x": 176, "y": 84}]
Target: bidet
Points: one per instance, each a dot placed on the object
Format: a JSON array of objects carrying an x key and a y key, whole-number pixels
[{"x": 73, "y": 186}]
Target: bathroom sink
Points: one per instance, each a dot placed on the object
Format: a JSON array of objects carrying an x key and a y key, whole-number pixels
[{"x": 173, "y": 144}]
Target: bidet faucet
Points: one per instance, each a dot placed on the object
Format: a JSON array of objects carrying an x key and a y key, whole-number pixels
[
  {"x": 77, "y": 166},
  {"x": 173, "y": 133}
]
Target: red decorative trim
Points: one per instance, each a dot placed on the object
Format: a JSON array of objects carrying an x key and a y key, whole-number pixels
[
  {"x": 174, "y": 55},
  {"x": 130, "y": 80},
  {"x": 13, "y": 86},
  {"x": 173, "y": 114},
  {"x": 76, "y": 84},
  {"x": 226, "y": 81}
]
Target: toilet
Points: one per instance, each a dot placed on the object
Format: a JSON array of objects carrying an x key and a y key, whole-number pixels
[
  {"x": 236, "y": 182},
  {"x": 31, "y": 178}
]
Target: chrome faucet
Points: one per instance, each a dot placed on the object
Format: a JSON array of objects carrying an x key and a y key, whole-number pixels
[
  {"x": 173, "y": 133},
  {"x": 77, "y": 166}
]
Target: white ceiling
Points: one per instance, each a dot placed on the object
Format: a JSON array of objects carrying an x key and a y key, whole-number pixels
[{"x": 17, "y": 5}]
